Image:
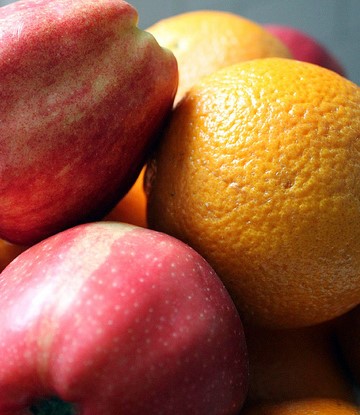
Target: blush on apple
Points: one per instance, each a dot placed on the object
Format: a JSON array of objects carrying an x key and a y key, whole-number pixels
[
  {"x": 83, "y": 94},
  {"x": 107, "y": 318},
  {"x": 305, "y": 48}
]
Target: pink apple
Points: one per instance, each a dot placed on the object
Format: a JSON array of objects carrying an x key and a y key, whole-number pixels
[
  {"x": 305, "y": 48},
  {"x": 114, "y": 319},
  {"x": 83, "y": 93}
]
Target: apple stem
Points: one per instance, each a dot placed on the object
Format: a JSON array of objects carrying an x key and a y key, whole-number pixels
[{"x": 52, "y": 406}]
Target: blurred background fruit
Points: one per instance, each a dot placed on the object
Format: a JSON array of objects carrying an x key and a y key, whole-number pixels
[
  {"x": 258, "y": 171},
  {"x": 206, "y": 40},
  {"x": 333, "y": 23},
  {"x": 305, "y": 48}
]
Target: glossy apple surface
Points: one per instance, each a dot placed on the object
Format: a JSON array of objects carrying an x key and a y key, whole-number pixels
[
  {"x": 305, "y": 48},
  {"x": 83, "y": 93},
  {"x": 115, "y": 319}
]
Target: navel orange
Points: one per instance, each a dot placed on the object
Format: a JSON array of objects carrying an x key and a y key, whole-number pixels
[
  {"x": 259, "y": 171},
  {"x": 206, "y": 40}
]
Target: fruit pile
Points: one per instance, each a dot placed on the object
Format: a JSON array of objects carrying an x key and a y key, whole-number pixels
[{"x": 179, "y": 216}]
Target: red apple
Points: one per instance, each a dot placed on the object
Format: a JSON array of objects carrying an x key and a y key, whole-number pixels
[
  {"x": 83, "y": 93},
  {"x": 116, "y": 319},
  {"x": 305, "y": 48}
]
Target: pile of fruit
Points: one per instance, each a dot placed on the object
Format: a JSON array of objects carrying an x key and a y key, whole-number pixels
[{"x": 179, "y": 216}]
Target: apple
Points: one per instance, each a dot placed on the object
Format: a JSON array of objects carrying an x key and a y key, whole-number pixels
[
  {"x": 83, "y": 94},
  {"x": 108, "y": 318},
  {"x": 305, "y": 48}
]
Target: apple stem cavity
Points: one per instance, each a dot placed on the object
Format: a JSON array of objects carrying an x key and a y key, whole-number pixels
[{"x": 52, "y": 406}]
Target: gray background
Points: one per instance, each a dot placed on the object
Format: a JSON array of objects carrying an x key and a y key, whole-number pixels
[{"x": 335, "y": 23}]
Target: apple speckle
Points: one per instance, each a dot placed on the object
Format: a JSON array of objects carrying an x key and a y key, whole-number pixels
[{"x": 123, "y": 320}]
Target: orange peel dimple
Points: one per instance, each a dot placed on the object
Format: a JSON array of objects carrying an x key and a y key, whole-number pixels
[{"x": 258, "y": 170}]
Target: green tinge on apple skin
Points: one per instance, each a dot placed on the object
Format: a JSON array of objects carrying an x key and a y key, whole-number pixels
[{"x": 52, "y": 406}]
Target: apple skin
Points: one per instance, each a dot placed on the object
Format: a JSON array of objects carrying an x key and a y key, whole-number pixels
[
  {"x": 305, "y": 48},
  {"x": 114, "y": 318},
  {"x": 83, "y": 94}
]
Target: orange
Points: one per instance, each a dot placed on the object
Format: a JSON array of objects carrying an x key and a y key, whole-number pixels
[
  {"x": 305, "y": 407},
  {"x": 295, "y": 364},
  {"x": 8, "y": 252},
  {"x": 206, "y": 40},
  {"x": 132, "y": 207},
  {"x": 348, "y": 335},
  {"x": 258, "y": 170}
]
